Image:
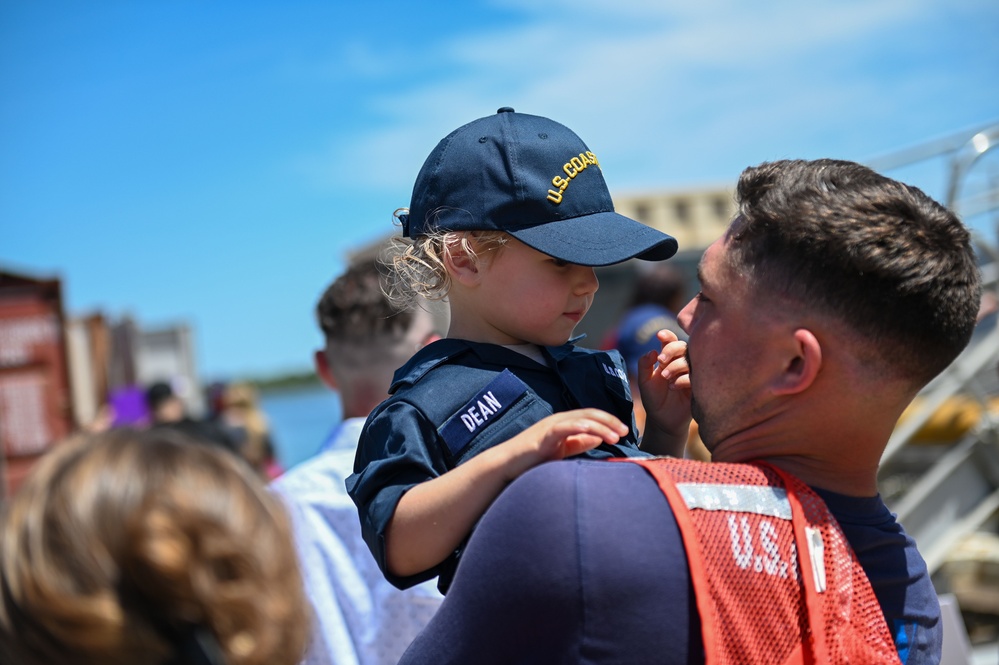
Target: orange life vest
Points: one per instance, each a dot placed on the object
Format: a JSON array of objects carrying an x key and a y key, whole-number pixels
[{"x": 774, "y": 577}]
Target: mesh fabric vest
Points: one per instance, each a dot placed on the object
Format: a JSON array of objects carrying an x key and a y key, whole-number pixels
[{"x": 775, "y": 579}]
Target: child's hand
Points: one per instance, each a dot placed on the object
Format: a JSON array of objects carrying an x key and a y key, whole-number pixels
[
  {"x": 563, "y": 434},
  {"x": 666, "y": 389}
]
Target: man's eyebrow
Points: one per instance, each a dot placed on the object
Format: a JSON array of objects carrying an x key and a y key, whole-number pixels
[{"x": 700, "y": 274}]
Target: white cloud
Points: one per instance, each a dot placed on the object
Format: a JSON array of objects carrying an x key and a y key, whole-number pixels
[{"x": 650, "y": 84}]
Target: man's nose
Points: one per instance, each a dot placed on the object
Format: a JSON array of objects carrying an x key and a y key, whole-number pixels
[{"x": 686, "y": 316}]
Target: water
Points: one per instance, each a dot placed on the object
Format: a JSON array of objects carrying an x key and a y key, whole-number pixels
[{"x": 300, "y": 420}]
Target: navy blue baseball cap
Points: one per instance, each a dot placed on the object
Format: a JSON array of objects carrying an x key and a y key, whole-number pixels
[{"x": 535, "y": 179}]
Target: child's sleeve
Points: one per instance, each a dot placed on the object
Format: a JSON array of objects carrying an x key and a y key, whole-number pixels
[{"x": 396, "y": 451}]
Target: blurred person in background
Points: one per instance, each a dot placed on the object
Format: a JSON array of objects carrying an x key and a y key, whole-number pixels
[
  {"x": 168, "y": 411},
  {"x": 246, "y": 423},
  {"x": 659, "y": 289},
  {"x": 361, "y": 618},
  {"x": 133, "y": 546}
]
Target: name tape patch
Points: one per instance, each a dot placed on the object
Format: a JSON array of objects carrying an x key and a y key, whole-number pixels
[
  {"x": 483, "y": 408},
  {"x": 760, "y": 499}
]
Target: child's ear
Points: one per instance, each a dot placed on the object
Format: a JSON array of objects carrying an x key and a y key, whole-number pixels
[{"x": 462, "y": 266}]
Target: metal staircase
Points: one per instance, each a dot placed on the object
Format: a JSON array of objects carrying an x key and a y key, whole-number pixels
[{"x": 945, "y": 491}]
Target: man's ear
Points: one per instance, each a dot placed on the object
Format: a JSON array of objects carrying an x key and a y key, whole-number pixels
[
  {"x": 322, "y": 364},
  {"x": 462, "y": 266},
  {"x": 802, "y": 365}
]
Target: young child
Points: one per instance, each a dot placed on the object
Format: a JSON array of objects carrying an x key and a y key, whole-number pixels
[{"x": 509, "y": 215}]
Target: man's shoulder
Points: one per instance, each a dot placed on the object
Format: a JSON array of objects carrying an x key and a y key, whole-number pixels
[
  {"x": 617, "y": 482},
  {"x": 566, "y": 505},
  {"x": 577, "y": 538}
]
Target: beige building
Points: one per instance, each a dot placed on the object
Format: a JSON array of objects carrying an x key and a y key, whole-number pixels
[{"x": 695, "y": 217}]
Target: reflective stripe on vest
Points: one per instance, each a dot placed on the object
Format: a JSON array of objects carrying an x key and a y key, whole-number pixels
[{"x": 759, "y": 600}]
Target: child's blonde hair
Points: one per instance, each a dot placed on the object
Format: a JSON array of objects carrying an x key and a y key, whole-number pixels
[{"x": 416, "y": 266}]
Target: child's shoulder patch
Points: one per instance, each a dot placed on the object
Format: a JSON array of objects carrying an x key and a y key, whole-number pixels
[{"x": 487, "y": 404}]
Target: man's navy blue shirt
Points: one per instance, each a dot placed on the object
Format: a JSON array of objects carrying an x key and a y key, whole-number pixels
[
  {"x": 582, "y": 562},
  {"x": 455, "y": 399}
]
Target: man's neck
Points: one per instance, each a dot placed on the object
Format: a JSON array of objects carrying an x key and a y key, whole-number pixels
[{"x": 840, "y": 459}]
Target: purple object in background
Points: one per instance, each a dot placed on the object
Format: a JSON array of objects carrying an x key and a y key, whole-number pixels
[{"x": 129, "y": 406}]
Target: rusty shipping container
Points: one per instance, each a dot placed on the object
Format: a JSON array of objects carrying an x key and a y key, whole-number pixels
[{"x": 35, "y": 398}]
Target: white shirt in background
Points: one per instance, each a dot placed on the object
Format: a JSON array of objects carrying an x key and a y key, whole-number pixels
[{"x": 360, "y": 618}]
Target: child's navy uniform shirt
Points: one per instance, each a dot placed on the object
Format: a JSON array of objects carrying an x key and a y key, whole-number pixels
[{"x": 456, "y": 398}]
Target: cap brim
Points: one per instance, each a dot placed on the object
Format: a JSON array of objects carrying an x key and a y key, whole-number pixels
[{"x": 600, "y": 239}]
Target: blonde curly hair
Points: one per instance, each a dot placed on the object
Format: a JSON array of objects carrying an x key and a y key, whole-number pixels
[
  {"x": 119, "y": 546},
  {"x": 416, "y": 267}
]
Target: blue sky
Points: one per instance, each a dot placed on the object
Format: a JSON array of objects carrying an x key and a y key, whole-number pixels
[{"x": 213, "y": 162}]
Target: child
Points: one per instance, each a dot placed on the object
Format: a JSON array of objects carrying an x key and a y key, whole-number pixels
[{"x": 509, "y": 214}]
